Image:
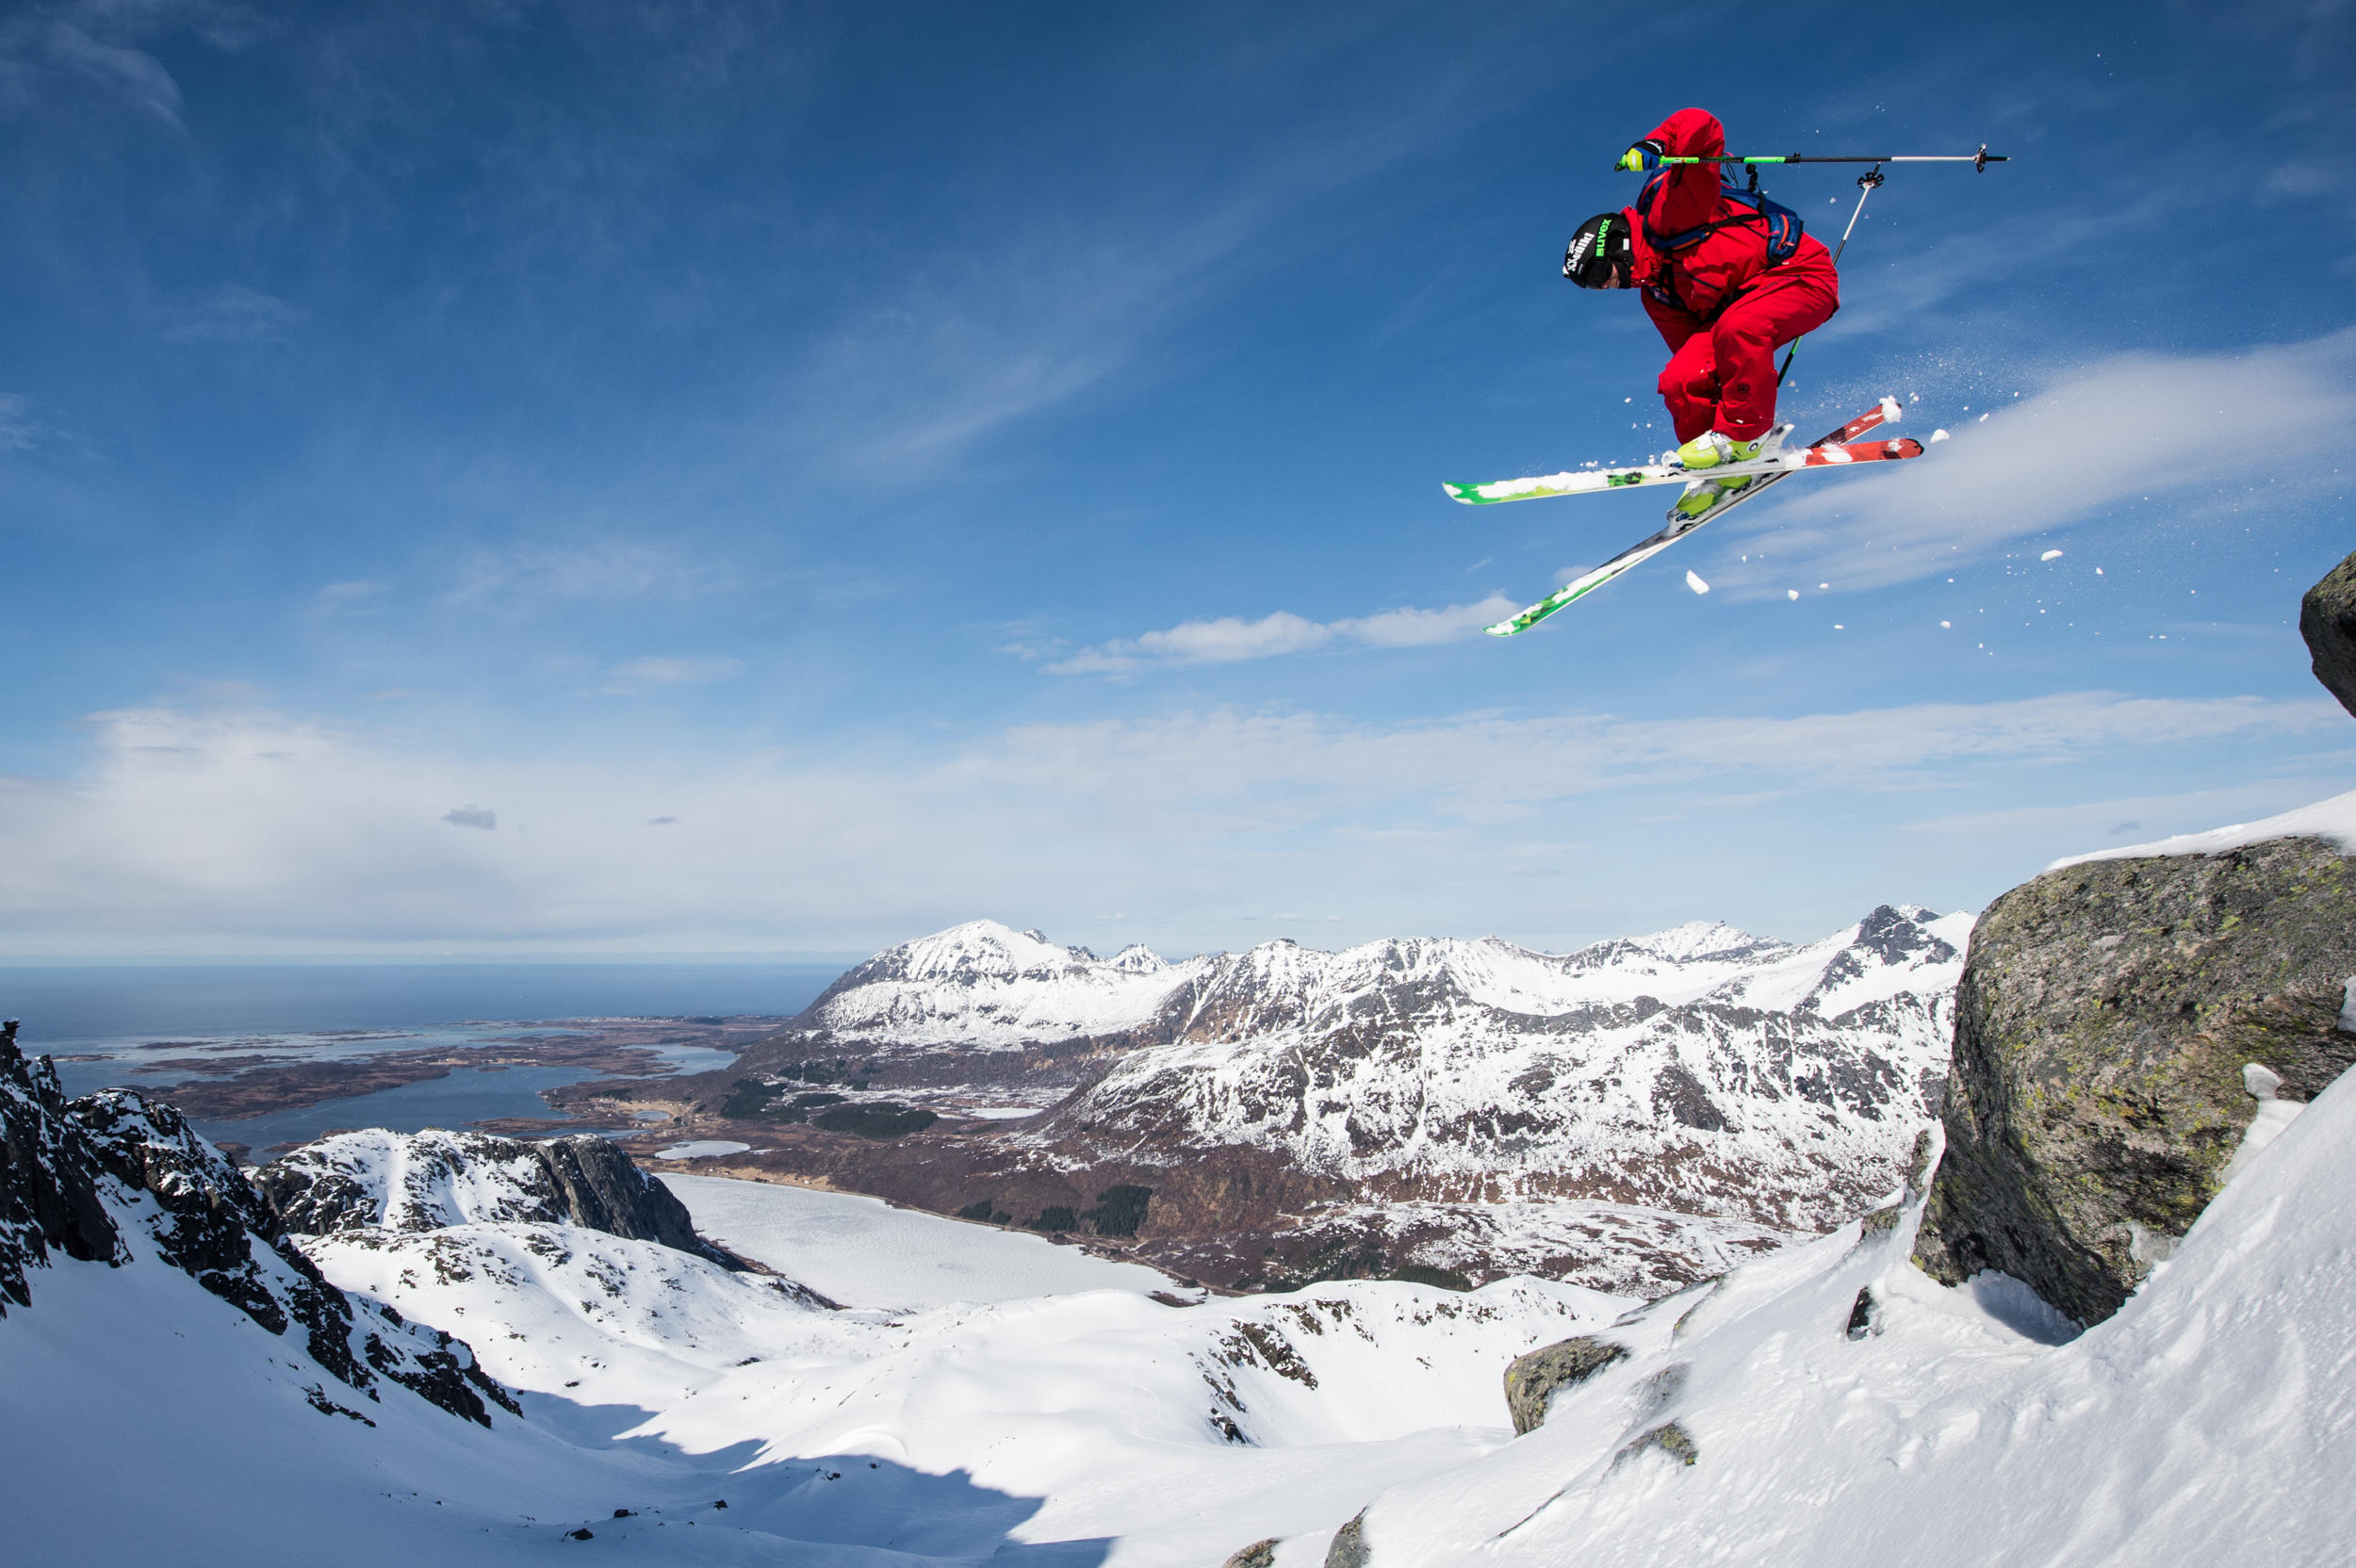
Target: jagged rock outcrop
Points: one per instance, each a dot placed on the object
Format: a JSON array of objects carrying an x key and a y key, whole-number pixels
[
  {"x": 2326, "y": 618},
  {"x": 114, "y": 1178},
  {"x": 1531, "y": 1381},
  {"x": 1348, "y": 1548},
  {"x": 2105, "y": 1013},
  {"x": 408, "y": 1182},
  {"x": 48, "y": 1190}
]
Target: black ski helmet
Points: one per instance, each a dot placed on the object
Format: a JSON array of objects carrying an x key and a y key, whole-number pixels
[{"x": 1599, "y": 251}]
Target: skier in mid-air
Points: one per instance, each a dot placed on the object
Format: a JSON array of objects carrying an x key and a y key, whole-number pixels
[{"x": 1728, "y": 276}]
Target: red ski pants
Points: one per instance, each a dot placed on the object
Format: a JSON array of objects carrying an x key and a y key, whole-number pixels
[{"x": 1723, "y": 376}]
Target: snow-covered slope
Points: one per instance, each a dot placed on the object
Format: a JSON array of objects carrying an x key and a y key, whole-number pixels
[
  {"x": 1134, "y": 1431},
  {"x": 2211, "y": 1421},
  {"x": 563, "y": 1304}
]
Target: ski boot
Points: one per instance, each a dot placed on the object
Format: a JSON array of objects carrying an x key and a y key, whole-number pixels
[{"x": 1709, "y": 449}]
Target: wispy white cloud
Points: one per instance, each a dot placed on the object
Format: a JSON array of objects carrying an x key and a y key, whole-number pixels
[
  {"x": 331, "y": 597},
  {"x": 1230, "y": 639},
  {"x": 2092, "y": 439},
  {"x": 135, "y": 73},
  {"x": 637, "y": 675},
  {"x": 1491, "y": 768},
  {"x": 612, "y": 571},
  {"x": 20, "y": 431},
  {"x": 240, "y": 826},
  {"x": 235, "y": 314},
  {"x": 1058, "y": 300}
]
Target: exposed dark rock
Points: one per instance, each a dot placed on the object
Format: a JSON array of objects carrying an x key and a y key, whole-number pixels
[
  {"x": 2104, "y": 1015},
  {"x": 1260, "y": 1554},
  {"x": 603, "y": 1190},
  {"x": 1670, "y": 1438},
  {"x": 1881, "y": 1223},
  {"x": 1679, "y": 1095},
  {"x": 48, "y": 1192},
  {"x": 1865, "y": 1316},
  {"x": 79, "y": 1172},
  {"x": 1532, "y": 1380},
  {"x": 2326, "y": 618},
  {"x": 1348, "y": 1549},
  {"x": 1884, "y": 1221}
]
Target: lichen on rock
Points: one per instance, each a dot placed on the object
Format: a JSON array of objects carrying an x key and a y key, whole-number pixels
[
  {"x": 1668, "y": 1437},
  {"x": 1349, "y": 1548},
  {"x": 2105, "y": 1013},
  {"x": 1532, "y": 1380}
]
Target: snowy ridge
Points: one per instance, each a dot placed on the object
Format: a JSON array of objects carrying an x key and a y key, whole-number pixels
[
  {"x": 984, "y": 986},
  {"x": 563, "y": 1302},
  {"x": 420, "y": 1181},
  {"x": 411, "y": 1181},
  {"x": 2333, "y": 821},
  {"x": 1782, "y": 1085}
]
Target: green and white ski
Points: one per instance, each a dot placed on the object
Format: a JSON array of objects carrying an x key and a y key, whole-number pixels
[
  {"x": 1886, "y": 412},
  {"x": 1831, "y": 454}
]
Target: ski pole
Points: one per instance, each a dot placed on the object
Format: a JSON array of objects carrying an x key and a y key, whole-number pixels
[
  {"x": 1865, "y": 184},
  {"x": 1979, "y": 160}
]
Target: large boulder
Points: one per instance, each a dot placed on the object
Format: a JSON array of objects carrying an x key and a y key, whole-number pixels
[
  {"x": 1532, "y": 1380},
  {"x": 2105, "y": 1013},
  {"x": 2326, "y": 618}
]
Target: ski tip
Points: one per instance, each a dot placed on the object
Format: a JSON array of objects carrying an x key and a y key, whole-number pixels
[
  {"x": 1467, "y": 495},
  {"x": 1503, "y": 628},
  {"x": 1891, "y": 412}
]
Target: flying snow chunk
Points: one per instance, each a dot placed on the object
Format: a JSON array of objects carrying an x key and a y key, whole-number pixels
[
  {"x": 2050, "y": 555},
  {"x": 1946, "y": 625},
  {"x": 1694, "y": 583},
  {"x": 1938, "y": 435},
  {"x": 1791, "y": 592}
]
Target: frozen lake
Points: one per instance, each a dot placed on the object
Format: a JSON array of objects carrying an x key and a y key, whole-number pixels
[{"x": 864, "y": 1252}]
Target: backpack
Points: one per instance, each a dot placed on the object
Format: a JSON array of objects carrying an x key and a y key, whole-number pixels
[{"x": 1754, "y": 205}]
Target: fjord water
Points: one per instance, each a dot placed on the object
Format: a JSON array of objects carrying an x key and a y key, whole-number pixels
[
  {"x": 114, "y": 1016},
  {"x": 70, "y": 1006}
]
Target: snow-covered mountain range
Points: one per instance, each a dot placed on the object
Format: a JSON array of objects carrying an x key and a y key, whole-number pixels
[{"x": 1635, "y": 1114}]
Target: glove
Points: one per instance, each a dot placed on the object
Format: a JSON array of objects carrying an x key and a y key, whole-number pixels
[{"x": 1641, "y": 159}]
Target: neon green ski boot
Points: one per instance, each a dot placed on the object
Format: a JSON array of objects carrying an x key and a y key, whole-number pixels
[{"x": 1707, "y": 450}]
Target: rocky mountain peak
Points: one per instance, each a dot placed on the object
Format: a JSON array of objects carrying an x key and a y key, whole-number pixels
[
  {"x": 1138, "y": 958},
  {"x": 417, "y": 1182}
]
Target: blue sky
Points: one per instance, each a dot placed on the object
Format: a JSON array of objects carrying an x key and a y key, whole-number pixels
[{"x": 512, "y": 478}]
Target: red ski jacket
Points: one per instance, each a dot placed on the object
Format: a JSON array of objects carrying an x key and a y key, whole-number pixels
[{"x": 1687, "y": 291}]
